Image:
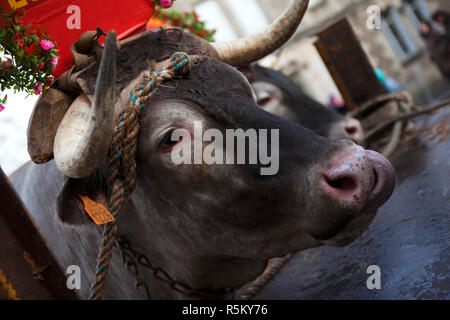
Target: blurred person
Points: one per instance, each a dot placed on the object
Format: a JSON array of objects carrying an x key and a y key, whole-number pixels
[
  {"x": 438, "y": 46},
  {"x": 390, "y": 84},
  {"x": 337, "y": 104},
  {"x": 442, "y": 18}
]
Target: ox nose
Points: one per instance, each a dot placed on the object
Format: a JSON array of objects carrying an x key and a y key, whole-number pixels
[
  {"x": 359, "y": 179},
  {"x": 353, "y": 130}
]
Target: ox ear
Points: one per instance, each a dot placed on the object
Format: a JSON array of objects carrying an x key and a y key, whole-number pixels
[
  {"x": 44, "y": 121},
  {"x": 248, "y": 72},
  {"x": 69, "y": 206},
  {"x": 54, "y": 103}
]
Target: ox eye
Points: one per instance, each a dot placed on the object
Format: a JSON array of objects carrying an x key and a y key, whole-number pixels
[
  {"x": 265, "y": 99},
  {"x": 167, "y": 143}
]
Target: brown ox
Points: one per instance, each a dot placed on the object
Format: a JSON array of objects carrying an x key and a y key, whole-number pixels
[{"x": 208, "y": 226}]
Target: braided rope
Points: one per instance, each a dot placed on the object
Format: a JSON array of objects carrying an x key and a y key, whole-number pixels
[
  {"x": 122, "y": 156},
  {"x": 379, "y": 101},
  {"x": 273, "y": 268}
]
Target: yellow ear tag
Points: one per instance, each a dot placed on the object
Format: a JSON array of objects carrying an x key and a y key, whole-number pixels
[{"x": 96, "y": 211}]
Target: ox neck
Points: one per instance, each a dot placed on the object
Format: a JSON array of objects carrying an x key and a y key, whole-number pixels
[{"x": 216, "y": 277}]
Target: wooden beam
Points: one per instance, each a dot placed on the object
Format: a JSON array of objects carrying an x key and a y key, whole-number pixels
[
  {"x": 348, "y": 64},
  {"x": 28, "y": 269}
]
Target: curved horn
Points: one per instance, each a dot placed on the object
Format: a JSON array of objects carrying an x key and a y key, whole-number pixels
[
  {"x": 84, "y": 135},
  {"x": 244, "y": 51}
]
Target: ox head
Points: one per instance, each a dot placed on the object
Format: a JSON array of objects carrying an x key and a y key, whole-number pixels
[
  {"x": 278, "y": 94},
  {"x": 325, "y": 191}
]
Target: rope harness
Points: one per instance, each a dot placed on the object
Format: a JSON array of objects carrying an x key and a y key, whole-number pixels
[
  {"x": 274, "y": 266},
  {"x": 406, "y": 111},
  {"x": 122, "y": 156},
  {"x": 122, "y": 178}
]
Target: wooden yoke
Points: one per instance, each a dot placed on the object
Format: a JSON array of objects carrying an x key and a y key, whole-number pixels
[
  {"x": 348, "y": 64},
  {"x": 28, "y": 269}
]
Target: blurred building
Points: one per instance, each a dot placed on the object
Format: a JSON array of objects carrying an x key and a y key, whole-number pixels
[{"x": 396, "y": 47}]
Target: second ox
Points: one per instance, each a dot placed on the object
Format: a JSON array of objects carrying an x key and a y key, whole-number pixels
[{"x": 278, "y": 94}]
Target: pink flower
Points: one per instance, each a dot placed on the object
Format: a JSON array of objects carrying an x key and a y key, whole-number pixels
[
  {"x": 2, "y": 108},
  {"x": 54, "y": 62},
  {"x": 165, "y": 3},
  {"x": 38, "y": 89},
  {"x": 46, "y": 44},
  {"x": 5, "y": 64}
]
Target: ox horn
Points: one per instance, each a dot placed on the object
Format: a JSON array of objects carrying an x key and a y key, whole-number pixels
[
  {"x": 244, "y": 51},
  {"x": 84, "y": 135}
]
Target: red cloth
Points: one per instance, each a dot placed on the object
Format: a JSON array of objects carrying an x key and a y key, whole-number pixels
[{"x": 124, "y": 17}]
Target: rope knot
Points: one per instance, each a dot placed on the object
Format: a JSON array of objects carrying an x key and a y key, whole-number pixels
[{"x": 182, "y": 63}]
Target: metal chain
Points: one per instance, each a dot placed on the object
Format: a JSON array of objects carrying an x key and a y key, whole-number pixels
[{"x": 132, "y": 259}]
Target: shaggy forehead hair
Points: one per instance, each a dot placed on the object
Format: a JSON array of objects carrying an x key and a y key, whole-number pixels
[
  {"x": 217, "y": 87},
  {"x": 135, "y": 55}
]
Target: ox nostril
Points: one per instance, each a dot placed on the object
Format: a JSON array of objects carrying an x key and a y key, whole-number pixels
[
  {"x": 343, "y": 184},
  {"x": 352, "y": 129},
  {"x": 349, "y": 181},
  {"x": 359, "y": 179}
]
